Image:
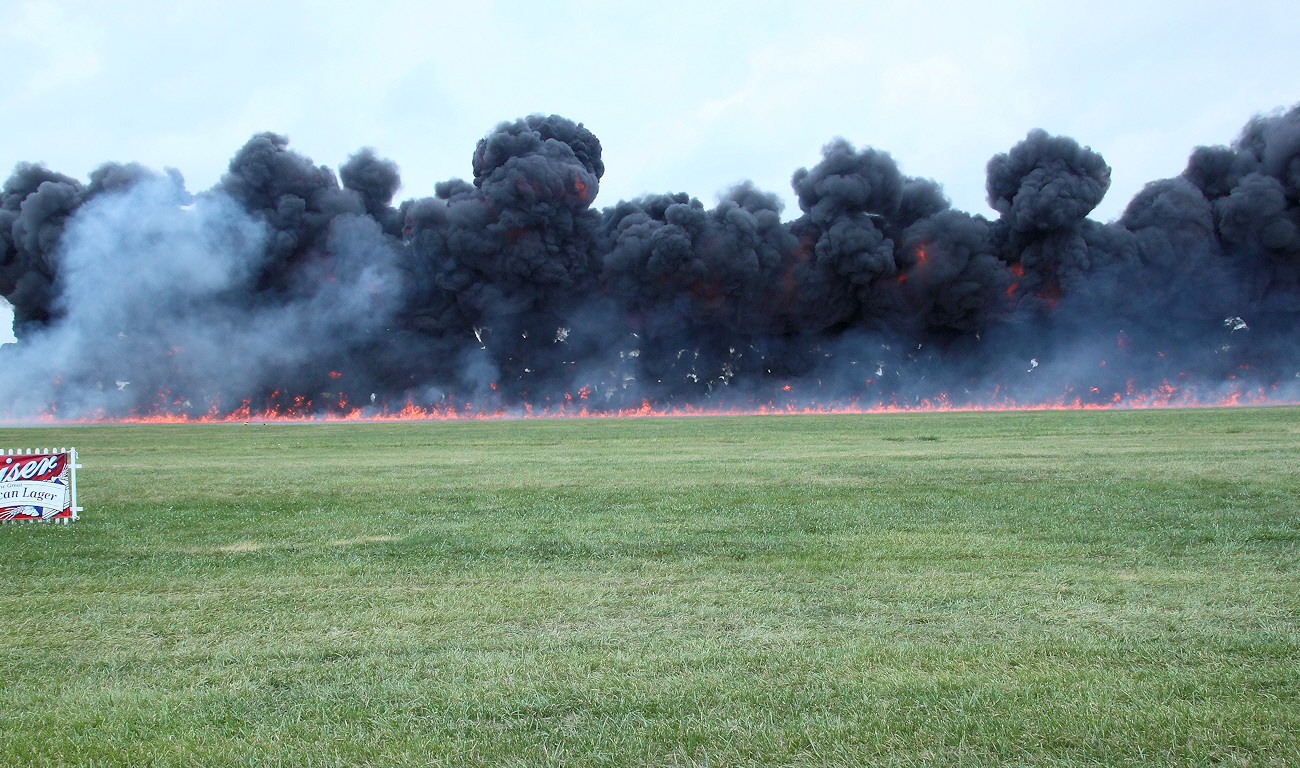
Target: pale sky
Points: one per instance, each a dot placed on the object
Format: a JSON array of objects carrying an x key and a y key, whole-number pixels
[{"x": 685, "y": 96}]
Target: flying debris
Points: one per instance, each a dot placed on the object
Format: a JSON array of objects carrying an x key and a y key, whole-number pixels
[{"x": 290, "y": 290}]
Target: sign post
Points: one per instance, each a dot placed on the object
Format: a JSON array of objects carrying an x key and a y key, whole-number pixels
[{"x": 38, "y": 485}]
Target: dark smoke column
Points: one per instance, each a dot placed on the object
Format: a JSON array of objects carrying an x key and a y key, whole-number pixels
[
  {"x": 34, "y": 208},
  {"x": 1044, "y": 188},
  {"x": 847, "y": 200},
  {"x": 499, "y": 268}
]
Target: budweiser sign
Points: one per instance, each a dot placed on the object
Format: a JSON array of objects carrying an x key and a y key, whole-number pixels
[{"x": 38, "y": 485}]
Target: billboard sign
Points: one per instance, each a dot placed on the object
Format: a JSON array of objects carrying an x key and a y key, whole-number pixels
[{"x": 38, "y": 485}]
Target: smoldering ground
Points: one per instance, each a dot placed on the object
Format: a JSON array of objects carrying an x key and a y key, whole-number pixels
[{"x": 290, "y": 288}]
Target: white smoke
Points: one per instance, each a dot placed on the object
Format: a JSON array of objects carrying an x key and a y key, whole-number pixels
[
  {"x": 6, "y": 322},
  {"x": 138, "y": 268},
  {"x": 158, "y": 302}
]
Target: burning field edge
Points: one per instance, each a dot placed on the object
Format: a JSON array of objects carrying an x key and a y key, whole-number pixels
[{"x": 1166, "y": 396}]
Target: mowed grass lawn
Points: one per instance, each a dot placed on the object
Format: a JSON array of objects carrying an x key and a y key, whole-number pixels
[{"x": 1099, "y": 588}]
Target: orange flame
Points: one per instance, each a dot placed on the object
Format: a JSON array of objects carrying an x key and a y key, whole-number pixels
[{"x": 300, "y": 409}]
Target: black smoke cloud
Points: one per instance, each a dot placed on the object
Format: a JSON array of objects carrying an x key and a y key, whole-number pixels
[{"x": 290, "y": 288}]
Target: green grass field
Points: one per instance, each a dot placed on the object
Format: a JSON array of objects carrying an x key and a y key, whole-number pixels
[{"x": 1099, "y": 588}]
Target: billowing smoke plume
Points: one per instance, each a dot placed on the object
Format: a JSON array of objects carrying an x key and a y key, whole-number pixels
[{"x": 290, "y": 288}]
